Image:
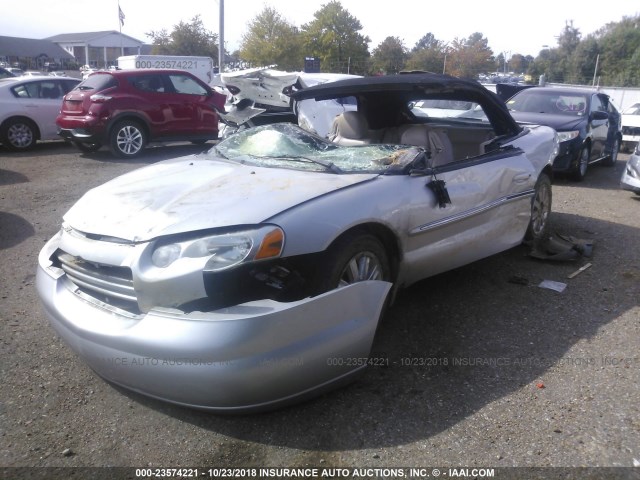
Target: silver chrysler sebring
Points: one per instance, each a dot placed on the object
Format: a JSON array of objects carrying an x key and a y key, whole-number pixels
[{"x": 250, "y": 276}]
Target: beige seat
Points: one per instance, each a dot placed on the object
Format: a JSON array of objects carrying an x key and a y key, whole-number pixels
[
  {"x": 434, "y": 140},
  {"x": 350, "y": 128}
]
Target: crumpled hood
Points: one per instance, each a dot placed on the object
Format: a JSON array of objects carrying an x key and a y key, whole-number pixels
[
  {"x": 557, "y": 122},
  {"x": 193, "y": 193}
]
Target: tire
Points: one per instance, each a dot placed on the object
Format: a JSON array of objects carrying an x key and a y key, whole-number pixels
[
  {"x": 351, "y": 259},
  {"x": 538, "y": 228},
  {"x": 611, "y": 160},
  {"x": 88, "y": 147},
  {"x": 19, "y": 134},
  {"x": 127, "y": 139},
  {"x": 580, "y": 170}
]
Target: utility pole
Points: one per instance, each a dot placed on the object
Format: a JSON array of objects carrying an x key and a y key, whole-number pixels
[
  {"x": 595, "y": 71},
  {"x": 221, "y": 38}
]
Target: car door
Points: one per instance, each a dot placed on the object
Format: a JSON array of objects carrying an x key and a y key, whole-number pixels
[
  {"x": 489, "y": 211},
  {"x": 189, "y": 104},
  {"x": 615, "y": 121},
  {"x": 599, "y": 126},
  {"x": 40, "y": 100}
]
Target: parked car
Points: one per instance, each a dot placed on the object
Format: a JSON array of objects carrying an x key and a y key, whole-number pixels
[
  {"x": 631, "y": 175},
  {"x": 4, "y": 73},
  {"x": 127, "y": 109},
  {"x": 28, "y": 109},
  {"x": 631, "y": 127},
  {"x": 255, "y": 274},
  {"x": 18, "y": 72},
  {"x": 588, "y": 124}
]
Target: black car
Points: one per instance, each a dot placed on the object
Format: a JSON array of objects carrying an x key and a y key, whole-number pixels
[{"x": 588, "y": 124}]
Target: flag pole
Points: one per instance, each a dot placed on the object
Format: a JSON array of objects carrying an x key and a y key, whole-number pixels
[{"x": 120, "y": 23}]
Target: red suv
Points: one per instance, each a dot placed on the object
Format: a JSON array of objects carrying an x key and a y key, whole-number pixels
[{"x": 126, "y": 109}]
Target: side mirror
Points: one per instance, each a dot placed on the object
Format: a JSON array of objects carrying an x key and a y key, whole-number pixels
[{"x": 599, "y": 115}]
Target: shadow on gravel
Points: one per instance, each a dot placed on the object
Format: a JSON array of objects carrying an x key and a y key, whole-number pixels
[
  {"x": 8, "y": 177},
  {"x": 13, "y": 230},
  {"x": 151, "y": 154},
  {"x": 452, "y": 344},
  {"x": 598, "y": 176}
]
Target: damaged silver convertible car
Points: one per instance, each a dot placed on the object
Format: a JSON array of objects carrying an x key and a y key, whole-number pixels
[{"x": 254, "y": 274}]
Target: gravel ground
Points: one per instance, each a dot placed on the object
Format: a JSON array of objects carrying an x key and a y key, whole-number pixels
[{"x": 483, "y": 371}]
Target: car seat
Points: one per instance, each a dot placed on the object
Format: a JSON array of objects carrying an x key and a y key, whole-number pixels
[
  {"x": 433, "y": 140},
  {"x": 350, "y": 128}
]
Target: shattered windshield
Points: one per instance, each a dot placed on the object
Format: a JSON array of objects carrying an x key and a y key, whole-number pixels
[{"x": 285, "y": 145}]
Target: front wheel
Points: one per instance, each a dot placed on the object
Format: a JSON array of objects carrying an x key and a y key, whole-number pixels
[
  {"x": 19, "y": 135},
  {"x": 354, "y": 258},
  {"x": 127, "y": 139},
  {"x": 540, "y": 211},
  {"x": 580, "y": 170}
]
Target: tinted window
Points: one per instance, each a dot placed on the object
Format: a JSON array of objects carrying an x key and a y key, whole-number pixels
[
  {"x": 562, "y": 103},
  {"x": 98, "y": 82},
  {"x": 148, "y": 83},
  {"x": 42, "y": 89},
  {"x": 185, "y": 84},
  {"x": 596, "y": 104},
  {"x": 68, "y": 85}
]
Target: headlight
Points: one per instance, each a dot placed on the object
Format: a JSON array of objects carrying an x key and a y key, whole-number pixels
[
  {"x": 565, "y": 136},
  {"x": 223, "y": 251}
]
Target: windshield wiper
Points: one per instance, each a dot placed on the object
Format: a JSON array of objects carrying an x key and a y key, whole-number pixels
[{"x": 332, "y": 167}]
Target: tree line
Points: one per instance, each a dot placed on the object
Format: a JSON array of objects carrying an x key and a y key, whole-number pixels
[{"x": 610, "y": 56}]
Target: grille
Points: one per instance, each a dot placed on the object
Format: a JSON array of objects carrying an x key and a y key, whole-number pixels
[{"x": 109, "y": 284}]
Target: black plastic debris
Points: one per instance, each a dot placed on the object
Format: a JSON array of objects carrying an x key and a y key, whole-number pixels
[{"x": 562, "y": 248}]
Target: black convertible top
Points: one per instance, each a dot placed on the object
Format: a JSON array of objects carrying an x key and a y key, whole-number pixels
[{"x": 388, "y": 93}]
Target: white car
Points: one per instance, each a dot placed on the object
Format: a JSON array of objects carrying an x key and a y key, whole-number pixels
[
  {"x": 28, "y": 109},
  {"x": 631, "y": 127}
]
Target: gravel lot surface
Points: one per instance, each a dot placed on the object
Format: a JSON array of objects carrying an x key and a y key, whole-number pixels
[{"x": 483, "y": 370}]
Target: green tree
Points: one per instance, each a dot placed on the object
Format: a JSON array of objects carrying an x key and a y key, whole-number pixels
[
  {"x": 582, "y": 62},
  {"x": 620, "y": 50},
  {"x": 390, "y": 56},
  {"x": 615, "y": 49},
  {"x": 517, "y": 63},
  {"x": 469, "y": 57},
  {"x": 185, "y": 39},
  {"x": 333, "y": 37},
  {"x": 271, "y": 40},
  {"x": 427, "y": 55}
]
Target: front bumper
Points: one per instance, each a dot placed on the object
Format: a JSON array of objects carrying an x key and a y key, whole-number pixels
[
  {"x": 248, "y": 357},
  {"x": 568, "y": 155},
  {"x": 631, "y": 175}
]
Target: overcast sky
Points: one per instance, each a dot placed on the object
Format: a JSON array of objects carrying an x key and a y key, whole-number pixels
[{"x": 511, "y": 26}]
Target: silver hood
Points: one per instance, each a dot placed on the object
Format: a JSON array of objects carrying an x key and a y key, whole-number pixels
[{"x": 192, "y": 193}]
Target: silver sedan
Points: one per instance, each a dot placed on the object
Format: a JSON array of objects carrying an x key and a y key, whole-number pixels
[{"x": 255, "y": 274}]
